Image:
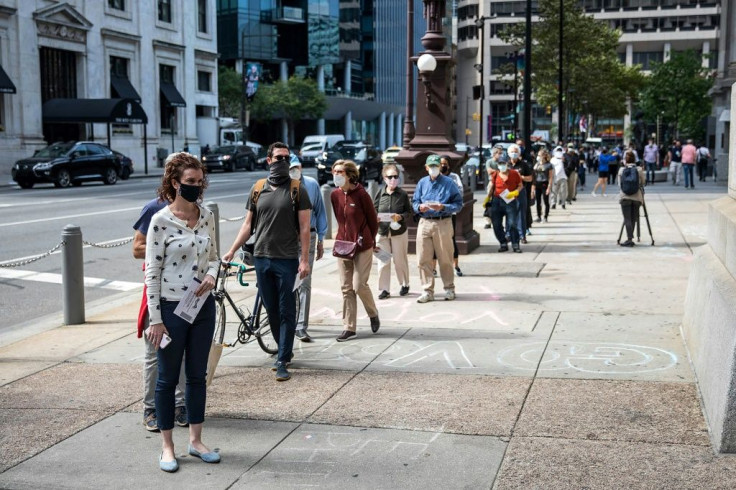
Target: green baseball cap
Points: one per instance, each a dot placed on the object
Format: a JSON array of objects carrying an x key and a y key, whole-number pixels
[{"x": 433, "y": 160}]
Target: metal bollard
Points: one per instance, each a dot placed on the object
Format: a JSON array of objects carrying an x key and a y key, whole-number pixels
[
  {"x": 72, "y": 275},
  {"x": 326, "y": 191},
  {"x": 216, "y": 212}
]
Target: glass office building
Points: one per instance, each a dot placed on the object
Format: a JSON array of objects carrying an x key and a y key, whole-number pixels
[{"x": 355, "y": 49}]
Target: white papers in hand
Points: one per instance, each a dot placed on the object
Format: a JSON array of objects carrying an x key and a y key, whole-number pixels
[
  {"x": 504, "y": 196},
  {"x": 297, "y": 282},
  {"x": 385, "y": 217},
  {"x": 190, "y": 304},
  {"x": 382, "y": 255}
]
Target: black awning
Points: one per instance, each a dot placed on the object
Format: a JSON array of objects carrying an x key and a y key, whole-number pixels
[
  {"x": 171, "y": 95},
  {"x": 117, "y": 111},
  {"x": 6, "y": 85},
  {"x": 124, "y": 88}
]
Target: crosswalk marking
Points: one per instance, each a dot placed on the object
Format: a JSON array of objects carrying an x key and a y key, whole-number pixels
[{"x": 90, "y": 282}]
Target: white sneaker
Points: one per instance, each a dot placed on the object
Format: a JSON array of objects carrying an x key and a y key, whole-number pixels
[
  {"x": 449, "y": 294},
  {"x": 425, "y": 298},
  {"x": 605, "y": 195},
  {"x": 594, "y": 194}
]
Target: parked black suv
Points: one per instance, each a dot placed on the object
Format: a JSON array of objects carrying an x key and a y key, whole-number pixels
[
  {"x": 231, "y": 157},
  {"x": 66, "y": 164},
  {"x": 366, "y": 157}
]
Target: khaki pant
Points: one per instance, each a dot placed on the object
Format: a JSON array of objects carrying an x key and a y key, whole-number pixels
[
  {"x": 572, "y": 186},
  {"x": 434, "y": 237},
  {"x": 354, "y": 274},
  {"x": 398, "y": 246}
]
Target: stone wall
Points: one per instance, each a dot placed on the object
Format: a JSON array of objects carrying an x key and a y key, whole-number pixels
[{"x": 709, "y": 323}]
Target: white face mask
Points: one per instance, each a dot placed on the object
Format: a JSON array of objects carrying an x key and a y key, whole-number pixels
[
  {"x": 395, "y": 225},
  {"x": 295, "y": 173},
  {"x": 339, "y": 180},
  {"x": 558, "y": 154},
  {"x": 434, "y": 171},
  {"x": 513, "y": 155}
]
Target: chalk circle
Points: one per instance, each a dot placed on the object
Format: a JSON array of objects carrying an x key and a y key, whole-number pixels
[{"x": 588, "y": 357}]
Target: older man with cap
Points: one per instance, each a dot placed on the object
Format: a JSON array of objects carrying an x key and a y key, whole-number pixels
[
  {"x": 436, "y": 199},
  {"x": 317, "y": 230}
]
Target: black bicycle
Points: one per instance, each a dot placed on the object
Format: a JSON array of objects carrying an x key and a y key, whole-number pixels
[{"x": 254, "y": 325}]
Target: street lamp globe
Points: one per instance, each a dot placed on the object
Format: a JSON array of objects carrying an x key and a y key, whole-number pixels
[{"x": 426, "y": 63}]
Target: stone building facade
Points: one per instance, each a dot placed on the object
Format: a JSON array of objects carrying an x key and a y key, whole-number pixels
[{"x": 161, "y": 53}]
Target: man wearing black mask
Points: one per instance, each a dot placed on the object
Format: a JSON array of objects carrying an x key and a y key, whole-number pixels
[{"x": 282, "y": 223}]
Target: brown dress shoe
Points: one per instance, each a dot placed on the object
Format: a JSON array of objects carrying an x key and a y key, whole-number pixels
[{"x": 345, "y": 335}]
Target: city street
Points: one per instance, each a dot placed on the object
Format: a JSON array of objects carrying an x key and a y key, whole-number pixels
[
  {"x": 31, "y": 222},
  {"x": 560, "y": 367}
]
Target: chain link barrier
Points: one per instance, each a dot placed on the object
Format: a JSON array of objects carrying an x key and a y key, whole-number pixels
[
  {"x": 239, "y": 218},
  {"x": 20, "y": 263},
  {"x": 108, "y": 245}
]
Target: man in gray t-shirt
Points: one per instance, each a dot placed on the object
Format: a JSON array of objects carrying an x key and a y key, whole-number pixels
[{"x": 281, "y": 224}]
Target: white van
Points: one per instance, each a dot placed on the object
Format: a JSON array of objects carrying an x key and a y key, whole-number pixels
[{"x": 315, "y": 145}]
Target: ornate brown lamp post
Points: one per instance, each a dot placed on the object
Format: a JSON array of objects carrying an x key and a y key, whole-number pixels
[{"x": 433, "y": 123}]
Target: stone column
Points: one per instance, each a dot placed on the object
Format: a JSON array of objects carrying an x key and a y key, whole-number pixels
[
  {"x": 382, "y": 130},
  {"x": 667, "y": 50},
  {"x": 706, "y": 51},
  {"x": 349, "y": 125},
  {"x": 629, "y": 55},
  {"x": 348, "y": 78},
  {"x": 390, "y": 132},
  {"x": 709, "y": 322}
]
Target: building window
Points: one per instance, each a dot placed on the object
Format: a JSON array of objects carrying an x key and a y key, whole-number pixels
[
  {"x": 168, "y": 113},
  {"x": 204, "y": 81},
  {"x": 116, "y": 4},
  {"x": 119, "y": 66},
  {"x": 202, "y": 16},
  {"x": 647, "y": 58},
  {"x": 164, "y": 10}
]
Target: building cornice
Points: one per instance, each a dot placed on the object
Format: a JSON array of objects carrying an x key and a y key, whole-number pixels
[
  {"x": 170, "y": 46},
  {"x": 121, "y": 35},
  {"x": 7, "y": 11},
  {"x": 206, "y": 54}
]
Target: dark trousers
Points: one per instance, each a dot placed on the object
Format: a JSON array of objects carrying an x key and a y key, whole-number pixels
[
  {"x": 192, "y": 343},
  {"x": 612, "y": 173},
  {"x": 523, "y": 208},
  {"x": 702, "y": 170},
  {"x": 499, "y": 209},
  {"x": 688, "y": 169},
  {"x": 651, "y": 166},
  {"x": 630, "y": 210},
  {"x": 275, "y": 284},
  {"x": 581, "y": 176},
  {"x": 540, "y": 190}
]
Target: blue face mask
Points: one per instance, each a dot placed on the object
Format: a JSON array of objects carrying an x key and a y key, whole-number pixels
[
  {"x": 502, "y": 167},
  {"x": 513, "y": 155}
]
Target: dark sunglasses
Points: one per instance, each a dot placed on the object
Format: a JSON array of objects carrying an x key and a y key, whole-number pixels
[
  {"x": 280, "y": 158},
  {"x": 392, "y": 176}
]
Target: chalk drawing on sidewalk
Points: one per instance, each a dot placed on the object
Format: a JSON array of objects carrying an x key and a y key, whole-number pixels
[
  {"x": 588, "y": 357},
  {"x": 452, "y": 353}
]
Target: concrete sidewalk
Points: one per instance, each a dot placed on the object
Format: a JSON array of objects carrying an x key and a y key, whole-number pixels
[{"x": 561, "y": 367}]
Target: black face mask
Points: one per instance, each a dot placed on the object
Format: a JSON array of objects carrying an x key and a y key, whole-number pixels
[
  {"x": 445, "y": 170},
  {"x": 190, "y": 192},
  {"x": 278, "y": 172}
]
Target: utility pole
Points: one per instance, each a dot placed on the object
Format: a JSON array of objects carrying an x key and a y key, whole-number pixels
[
  {"x": 409, "y": 129},
  {"x": 528, "y": 79},
  {"x": 480, "y": 23},
  {"x": 560, "y": 109}
]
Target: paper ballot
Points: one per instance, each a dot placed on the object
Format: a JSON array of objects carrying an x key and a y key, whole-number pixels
[
  {"x": 504, "y": 195},
  {"x": 190, "y": 304},
  {"x": 385, "y": 217},
  {"x": 297, "y": 282},
  {"x": 382, "y": 255}
]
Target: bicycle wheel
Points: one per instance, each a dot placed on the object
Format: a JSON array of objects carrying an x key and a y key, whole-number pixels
[
  {"x": 262, "y": 329},
  {"x": 219, "y": 321}
]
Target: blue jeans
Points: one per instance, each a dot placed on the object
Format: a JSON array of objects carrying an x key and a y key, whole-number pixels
[
  {"x": 688, "y": 169},
  {"x": 521, "y": 222},
  {"x": 499, "y": 209},
  {"x": 194, "y": 340},
  {"x": 651, "y": 167},
  {"x": 581, "y": 175},
  {"x": 275, "y": 284}
]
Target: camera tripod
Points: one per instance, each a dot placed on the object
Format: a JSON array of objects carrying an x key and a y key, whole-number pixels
[{"x": 638, "y": 223}]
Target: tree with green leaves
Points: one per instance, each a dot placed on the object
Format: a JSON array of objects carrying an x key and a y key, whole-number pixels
[
  {"x": 296, "y": 99},
  {"x": 229, "y": 92},
  {"x": 594, "y": 79},
  {"x": 677, "y": 91}
]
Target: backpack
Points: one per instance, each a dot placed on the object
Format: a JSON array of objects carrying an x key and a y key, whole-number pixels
[
  {"x": 630, "y": 180},
  {"x": 248, "y": 247}
]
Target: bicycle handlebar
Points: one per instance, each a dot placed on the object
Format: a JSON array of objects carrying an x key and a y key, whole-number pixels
[{"x": 242, "y": 269}]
